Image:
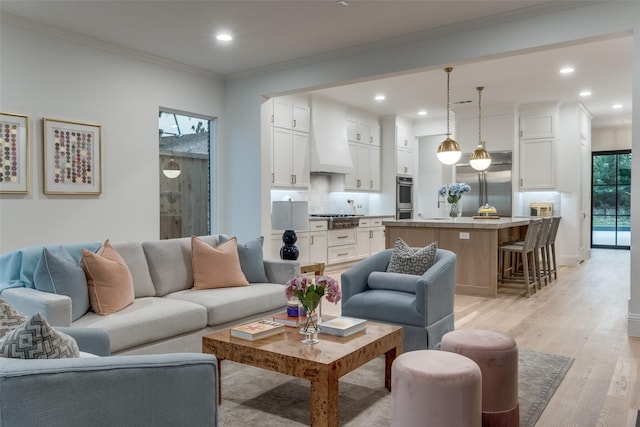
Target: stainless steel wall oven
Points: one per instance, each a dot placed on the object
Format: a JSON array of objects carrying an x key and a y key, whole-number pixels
[{"x": 404, "y": 197}]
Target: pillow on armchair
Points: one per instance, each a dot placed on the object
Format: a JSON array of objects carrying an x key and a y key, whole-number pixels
[
  {"x": 36, "y": 339},
  {"x": 382, "y": 280},
  {"x": 405, "y": 260}
]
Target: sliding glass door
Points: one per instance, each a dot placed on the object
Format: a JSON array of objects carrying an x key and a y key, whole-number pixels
[{"x": 611, "y": 200}]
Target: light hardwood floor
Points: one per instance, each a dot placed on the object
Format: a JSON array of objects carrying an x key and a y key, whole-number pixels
[{"x": 582, "y": 315}]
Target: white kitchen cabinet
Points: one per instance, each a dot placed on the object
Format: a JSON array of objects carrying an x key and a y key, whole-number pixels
[
  {"x": 375, "y": 169},
  {"x": 536, "y": 126},
  {"x": 318, "y": 246},
  {"x": 370, "y": 237},
  {"x": 377, "y": 241},
  {"x": 366, "y": 168},
  {"x": 404, "y": 162},
  {"x": 375, "y": 134},
  {"x": 318, "y": 239},
  {"x": 289, "y": 114},
  {"x": 290, "y": 158},
  {"x": 538, "y": 147},
  {"x": 404, "y": 138},
  {"x": 537, "y": 166},
  {"x": 404, "y": 151},
  {"x": 364, "y": 238},
  {"x": 359, "y": 130},
  {"x": 498, "y": 132},
  {"x": 341, "y": 245}
]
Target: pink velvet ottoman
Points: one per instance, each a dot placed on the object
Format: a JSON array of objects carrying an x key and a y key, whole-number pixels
[
  {"x": 435, "y": 388},
  {"x": 497, "y": 356}
]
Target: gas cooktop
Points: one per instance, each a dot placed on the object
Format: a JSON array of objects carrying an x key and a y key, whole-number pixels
[
  {"x": 333, "y": 215},
  {"x": 339, "y": 220}
]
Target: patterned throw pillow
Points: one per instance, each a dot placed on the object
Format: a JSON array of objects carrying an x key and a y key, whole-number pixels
[
  {"x": 405, "y": 260},
  {"x": 10, "y": 318},
  {"x": 35, "y": 339}
]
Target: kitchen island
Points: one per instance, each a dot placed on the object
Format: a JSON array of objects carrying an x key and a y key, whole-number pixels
[{"x": 474, "y": 241}]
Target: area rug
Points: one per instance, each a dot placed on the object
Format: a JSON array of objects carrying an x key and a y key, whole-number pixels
[{"x": 253, "y": 396}]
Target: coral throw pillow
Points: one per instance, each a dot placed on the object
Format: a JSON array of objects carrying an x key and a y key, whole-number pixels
[
  {"x": 109, "y": 280},
  {"x": 217, "y": 267}
]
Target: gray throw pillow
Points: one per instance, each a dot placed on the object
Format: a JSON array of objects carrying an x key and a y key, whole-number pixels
[
  {"x": 10, "y": 318},
  {"x": 36, "y": 339},
  {"x": 393, "y": 281},
  {"x": 251, "y": 259},
  {"x": 58, "y": 273},
  {"x": 406, "y": 260}
]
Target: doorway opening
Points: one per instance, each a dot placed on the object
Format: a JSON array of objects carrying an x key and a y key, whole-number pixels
[
  {"x": 184, "y": 174},
  {"x": 611, "y": 199}
]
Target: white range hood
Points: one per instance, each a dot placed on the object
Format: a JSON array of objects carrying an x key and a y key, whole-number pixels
[{"x": 329, "y": 147}]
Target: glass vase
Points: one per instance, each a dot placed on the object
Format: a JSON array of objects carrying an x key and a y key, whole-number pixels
[
  {"x": 455, "y": 210},
  {"x": 308, "y": 318}
]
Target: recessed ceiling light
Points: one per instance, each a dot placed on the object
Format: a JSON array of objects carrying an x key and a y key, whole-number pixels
[
  {"x": 380, "y": 97},
  {"x": 567, "y": 70},
  {"x": 585, "y": 93},
  {"x": 616, "y": 106},
  {"x": 342, "y": 2},
  {"x": 422, "y": 113},
  {"x": 224, "y": 37}
]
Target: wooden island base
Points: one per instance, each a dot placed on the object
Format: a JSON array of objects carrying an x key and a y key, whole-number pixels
[{"x": 474, "y": 241}]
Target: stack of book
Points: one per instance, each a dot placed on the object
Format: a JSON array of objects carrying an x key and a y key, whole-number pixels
[
  {"x": 287, "y": 320},
  {"x": 342, "y": 326},
  {"x": 256, "y": 330}
]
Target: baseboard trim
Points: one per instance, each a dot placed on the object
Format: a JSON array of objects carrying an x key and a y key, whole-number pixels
[{"x": 633, "y": 329}]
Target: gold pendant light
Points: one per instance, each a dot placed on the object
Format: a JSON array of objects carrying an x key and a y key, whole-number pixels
[
  {"x": 480, "y": 158},
  {"x": 449, "y": 150}
]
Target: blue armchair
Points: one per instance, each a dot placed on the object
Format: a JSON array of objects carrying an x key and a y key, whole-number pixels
[
  {"x": 151, "y": 390},
  {"x": 423, "y": 305}
]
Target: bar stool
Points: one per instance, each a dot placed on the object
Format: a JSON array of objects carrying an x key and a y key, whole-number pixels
[
  {"x": 527, "y": 255},
  {"x": 541, "y": 261},
  {"x": 550, "y": 248}
]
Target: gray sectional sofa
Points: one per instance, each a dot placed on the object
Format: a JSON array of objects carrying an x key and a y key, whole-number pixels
[{"x": 167, "y": 315}]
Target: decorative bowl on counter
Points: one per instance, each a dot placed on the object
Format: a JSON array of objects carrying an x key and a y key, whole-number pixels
[{"x": 486, "y": 210}]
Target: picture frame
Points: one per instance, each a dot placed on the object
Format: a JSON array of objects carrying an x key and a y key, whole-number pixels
[
  {"x": 15, "y": 157},
  {"x": 72, "y": 157}
]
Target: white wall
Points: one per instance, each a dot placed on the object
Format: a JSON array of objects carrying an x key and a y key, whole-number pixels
[
  {"x": 243, "y": 94},
  {"x": 45, "y": 76},
  {"x": 611, "y": 138}
]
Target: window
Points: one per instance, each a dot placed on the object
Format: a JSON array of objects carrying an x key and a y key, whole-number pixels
[
  {"x": 185, "y": 174},
  {"x": 611, "y": 200}
]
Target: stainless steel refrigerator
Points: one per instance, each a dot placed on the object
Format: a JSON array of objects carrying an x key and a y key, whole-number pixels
[{"x": 492, "y": 186}]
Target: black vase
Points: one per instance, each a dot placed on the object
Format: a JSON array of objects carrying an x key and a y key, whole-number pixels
[{"x": 289, "y": 250}]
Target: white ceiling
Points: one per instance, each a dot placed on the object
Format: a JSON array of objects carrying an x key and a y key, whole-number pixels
[{"x": 270, "y": 34}]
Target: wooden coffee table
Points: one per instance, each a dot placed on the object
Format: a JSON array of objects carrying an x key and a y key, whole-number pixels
[{"x": 322, "y": 364}]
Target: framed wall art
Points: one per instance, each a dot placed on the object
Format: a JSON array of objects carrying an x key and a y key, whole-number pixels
[
  {"x": 14, "y": 153},
  {"x": 72, "y": 157}
]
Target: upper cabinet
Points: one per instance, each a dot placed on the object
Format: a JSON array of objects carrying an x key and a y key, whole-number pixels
[
  {"x": 290, "y": 143},
  {"x": 289, "y": 158},
  {"x": 358, "y": 130},
  {"x": 291, "y": 114},
  {"x": 498, "y": 128},
  {"x": 538, "y": 147},
  {"x": 404, "y": 151},
  {"x": 363, "y": 134}
]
